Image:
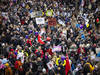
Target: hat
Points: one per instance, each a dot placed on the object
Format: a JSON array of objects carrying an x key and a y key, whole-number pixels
[
  {"x": 11, "y": 49},
  {"x": 43, "y": 70},
  {"x": 6, "y": 64}
]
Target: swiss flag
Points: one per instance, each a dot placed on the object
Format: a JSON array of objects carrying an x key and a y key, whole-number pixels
[{"x": 67, "y": 67}]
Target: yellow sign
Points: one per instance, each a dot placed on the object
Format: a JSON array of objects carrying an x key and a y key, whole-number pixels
[{"x": 49, "y": 12}]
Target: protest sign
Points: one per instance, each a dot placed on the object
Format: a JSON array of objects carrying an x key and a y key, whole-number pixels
[
  {"x": 52, "y": 21},
  {"x": 40, "y": 21},
  {"x": 56, "y": 49},
  {"x": 50, "y": 65},
  {"x": 61, "y": 22},
  {"x": 33, "y": 14},
  {"x": 39, "y": 13}
]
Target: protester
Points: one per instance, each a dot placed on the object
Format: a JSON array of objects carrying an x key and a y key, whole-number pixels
[{"x": 48, "y": 37}]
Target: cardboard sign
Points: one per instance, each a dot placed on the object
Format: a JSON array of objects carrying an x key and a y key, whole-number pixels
[
  {"x": 50, "y": 65},
  {"x": 97, "y": 50},
  {"x": 40, "y": 21},
  {"x": 56, "y": 49},
  {"x": 33, "y": 14},
  {"x": 39, "y": 13},
  {"x": 52, "y": 21}
]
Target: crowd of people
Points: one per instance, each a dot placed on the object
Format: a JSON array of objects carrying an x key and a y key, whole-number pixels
[{"x": 66, "y": 30}]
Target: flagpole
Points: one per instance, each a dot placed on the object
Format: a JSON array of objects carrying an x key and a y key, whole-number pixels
[{"x": 69, "y": 62}]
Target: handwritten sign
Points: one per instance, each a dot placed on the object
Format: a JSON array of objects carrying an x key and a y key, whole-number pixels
[
  {"x": 52, "y": 21},
  {"x": 50, "y": 65},
  {"x": 40, "y": 21}
]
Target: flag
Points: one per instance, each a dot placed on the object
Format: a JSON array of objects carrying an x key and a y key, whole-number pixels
[
  {"x": 40, "y": 40},
  {"x": 67, "y": 67}
]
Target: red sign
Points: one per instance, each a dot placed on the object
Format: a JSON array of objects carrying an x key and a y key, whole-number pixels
[{"x": 52, "y": 21}]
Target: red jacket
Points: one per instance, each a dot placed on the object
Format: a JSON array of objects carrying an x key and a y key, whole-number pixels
[
  {"x": 29, "y": 42},
  {"x": 17, "y": 65}
]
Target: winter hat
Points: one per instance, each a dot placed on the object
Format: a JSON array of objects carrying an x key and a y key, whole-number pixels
[
  {"x": 43, "y": 70},
  {"x": 7, "y": 64},
  {"x": 11, "y": 49}
]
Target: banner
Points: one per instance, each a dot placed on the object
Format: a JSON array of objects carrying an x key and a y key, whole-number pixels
[
  {"x": 56, "y": 49},
  {"x": 52, "y": 21},
  {"x": 50, "y": 65},
  {"x": 40, "y": 21}
]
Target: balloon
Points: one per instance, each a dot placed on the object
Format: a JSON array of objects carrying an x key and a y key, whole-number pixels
[
  {"x": 97, "y": 20},
  {"x": 81, "y": 26},
  {"x": 87, "y": 25},
  {"x": 48, "y": 38},
  {"x": 26, "y": 36}
]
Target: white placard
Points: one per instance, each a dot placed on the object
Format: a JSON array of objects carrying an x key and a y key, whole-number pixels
[
  {"x": 50, "y": 65},
  {"x": 61, "y": 22},
  {"x": 97, "y": 50},
  {"x": 40, "y": 21},
  {"x": 33, "y": 14},
  {"x": 56, "y": 49}
]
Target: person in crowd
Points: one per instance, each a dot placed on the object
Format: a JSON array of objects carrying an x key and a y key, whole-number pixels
[{"x": 37, "y": 35}]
